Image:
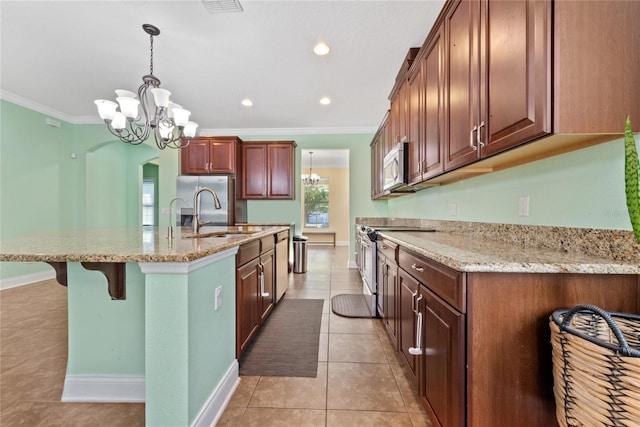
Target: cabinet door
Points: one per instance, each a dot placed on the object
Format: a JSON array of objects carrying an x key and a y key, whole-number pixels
[
  {"x": 390, "y": 299},
  {"x": 442, "y": 386},
  {"x": 433, "y": 144},
  {"x": 247, "y": 320},
  {"x": 195, "y": 157},
  {"x": 408, "y": 292},
  {"x": 223, "y": 156},
  {"x": 280, "y": 171},
  {"x": 516, "y": 70},
  {"x": 461, "y": 97},
  {"x": 254, "y": 164},
  {"x": 415, "y": 110},
  {"x": 265, "y": 290}
]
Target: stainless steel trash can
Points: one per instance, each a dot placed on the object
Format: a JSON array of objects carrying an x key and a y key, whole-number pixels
[{"x": 300, "y": 254}]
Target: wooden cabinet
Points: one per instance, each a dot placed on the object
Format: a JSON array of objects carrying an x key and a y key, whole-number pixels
[
  {"x": 426, "y": 113},
  {"x": 387, "y": 276},
  {"x": 267, "y": 170},
  {"x": 432, "y": 300},
  {"x": 254, "y": 289},
  {"x": 461, "y": 334},
  {"x": 498, "y": 63},
  {"x": 211, "y": 155},
  {"x": 378, "y": 149}
]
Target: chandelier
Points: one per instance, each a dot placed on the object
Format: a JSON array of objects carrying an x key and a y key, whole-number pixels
[
  {"x": 311, "y": 178},
  {"x": 168, "y": 122}
]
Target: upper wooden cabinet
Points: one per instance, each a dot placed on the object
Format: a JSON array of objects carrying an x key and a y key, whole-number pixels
[
  {"x": 211, "y": 155},
  {"x": 267, "y": 170},
  {"x": 426, "y": 112},
  {"x": 501, "y": 83},
  {"x": 498, "y": 63}
]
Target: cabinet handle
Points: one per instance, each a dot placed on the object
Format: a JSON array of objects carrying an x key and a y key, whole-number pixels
[
  {"x": 416, "y": 268},
  {"x": 479, "y": 135},
  {"x": 384, "y": 247},
  {"x": 417, "y": 350},
  {"x": 262, "y": 292},
  {"x": 413, "y": 302},
  {"x": 473, "y": 147}
]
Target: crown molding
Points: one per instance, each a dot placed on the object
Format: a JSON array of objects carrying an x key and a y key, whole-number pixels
[
  {"x": 290, "y": 131},
  {"x": 84, "y": 120}
]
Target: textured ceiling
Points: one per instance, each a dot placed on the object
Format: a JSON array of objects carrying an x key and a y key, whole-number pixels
[{"x": 58, "y": 56}]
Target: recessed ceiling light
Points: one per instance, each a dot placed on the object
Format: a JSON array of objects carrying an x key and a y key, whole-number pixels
[
  {"x": 321, "y": 49},
  {"x": 325, "y": 100},
  {"x": 247, "y": 102}
]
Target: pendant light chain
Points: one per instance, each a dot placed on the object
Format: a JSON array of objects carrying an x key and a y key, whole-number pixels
[{"x": 151, "y": 54}]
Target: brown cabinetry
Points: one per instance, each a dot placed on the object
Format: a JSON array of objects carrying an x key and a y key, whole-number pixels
[
  {"x": 378, "y": 149},
  {"x": 387, "y": 277},
  {"x": 211, "y": 155},
  {"x": 498, "y": 63},
  {"x": 267, "y": 170},
  {"x": 478, "y": 343},
  {"x": 426, "y": 113},
  {"x": 254, "y": 289}
]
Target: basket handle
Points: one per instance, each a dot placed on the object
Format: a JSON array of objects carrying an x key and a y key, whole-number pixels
[{"x": 624, "y": 346}]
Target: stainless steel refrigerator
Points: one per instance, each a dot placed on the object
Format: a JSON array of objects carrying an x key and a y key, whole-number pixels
[{"x": 233, "y": 211}]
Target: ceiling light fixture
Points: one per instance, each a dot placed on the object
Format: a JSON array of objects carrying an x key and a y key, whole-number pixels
[
  {"x": 311, "y": 178},
  {"x": 169, "y": 122},
  {"x": 325, "y": 100},
  {"x": 247, "y": 102},
  {"x": 321, "y": 49}
]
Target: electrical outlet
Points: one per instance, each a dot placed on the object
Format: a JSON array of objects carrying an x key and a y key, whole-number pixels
[
  {"x": 523, "y": 206},
  {"x": 453, "y": 209},
  {"x": 218, "y": 298}
]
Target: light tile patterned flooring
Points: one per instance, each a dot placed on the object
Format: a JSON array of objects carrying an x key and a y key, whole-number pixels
[{"x": 360, "y": 381}]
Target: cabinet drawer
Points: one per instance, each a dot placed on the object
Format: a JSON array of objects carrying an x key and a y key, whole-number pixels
[
  {"x": 388, "y": 248},
  {"x": 247, "y": 252},
  {"x": 443, "y": 281},
  {"x": 266, "y": 243}
]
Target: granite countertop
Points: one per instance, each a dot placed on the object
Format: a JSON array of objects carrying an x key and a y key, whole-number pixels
[
  {"x": 469, "y": 253},
  {"x": 131, "y": 244}
]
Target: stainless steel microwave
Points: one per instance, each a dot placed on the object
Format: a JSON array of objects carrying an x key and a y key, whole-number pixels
[{"x": 395, "y": 167}]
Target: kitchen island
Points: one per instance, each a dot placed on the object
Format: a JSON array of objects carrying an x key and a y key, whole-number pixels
[{"x": 150, "y": 319}]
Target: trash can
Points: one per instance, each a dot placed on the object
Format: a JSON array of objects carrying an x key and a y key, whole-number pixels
[{"x": 300, "y": 254}]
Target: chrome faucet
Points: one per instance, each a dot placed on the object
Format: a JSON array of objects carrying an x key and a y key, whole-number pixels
[
  {"x": 196, "y": 207},
  {"x": 170, "y": 233}
]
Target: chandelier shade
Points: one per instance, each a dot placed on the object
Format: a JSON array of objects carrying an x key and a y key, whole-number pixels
[
  {"x": 310, "y": 178},
  {"x": 142, "y": 114}
]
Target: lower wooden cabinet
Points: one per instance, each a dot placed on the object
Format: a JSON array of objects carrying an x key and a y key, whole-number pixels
[
  {"x": 254, "y": 289},
  {"x": 387, "y": 273},
  {"x": 477, "y": 343}
]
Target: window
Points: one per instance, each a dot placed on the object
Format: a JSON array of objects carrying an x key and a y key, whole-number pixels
[
  {"x": 316, "y": 204},
  {"x": 148, "y": 197}
]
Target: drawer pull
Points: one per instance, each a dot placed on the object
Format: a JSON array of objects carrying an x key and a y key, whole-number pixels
[{"x": 416, "y": 268}]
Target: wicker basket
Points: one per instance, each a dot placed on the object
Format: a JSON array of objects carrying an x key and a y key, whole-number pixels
[{"x": 596, "y": 367}]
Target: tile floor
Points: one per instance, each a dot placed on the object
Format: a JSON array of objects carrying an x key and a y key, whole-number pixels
[{"x": 360, "y": 381}]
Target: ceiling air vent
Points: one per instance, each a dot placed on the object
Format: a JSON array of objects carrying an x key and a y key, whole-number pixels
[{"x": 222, "y": 6}]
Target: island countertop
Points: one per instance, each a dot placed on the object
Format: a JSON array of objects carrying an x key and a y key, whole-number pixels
[{"x": 139, "y": 244}]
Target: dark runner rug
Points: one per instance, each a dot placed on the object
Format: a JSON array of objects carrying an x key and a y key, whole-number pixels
[
  {"x": 288, "y": 343},
  {"x": 350, "y": 305}
]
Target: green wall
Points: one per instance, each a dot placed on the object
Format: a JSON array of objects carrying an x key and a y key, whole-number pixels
[
  {"x": 42, "y": 188},
  {"x": 582, "y": 189}
]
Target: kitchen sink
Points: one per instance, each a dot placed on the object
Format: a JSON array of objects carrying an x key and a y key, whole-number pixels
[{"x": 219, "y": 233}]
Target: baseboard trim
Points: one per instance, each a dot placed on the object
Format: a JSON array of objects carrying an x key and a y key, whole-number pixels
[
  {"x": 352, "y": 264},
  {"x": 214, "y": 406},
  {"x": 27, "y": 279},
  {"x": 104, "y": 388}
]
